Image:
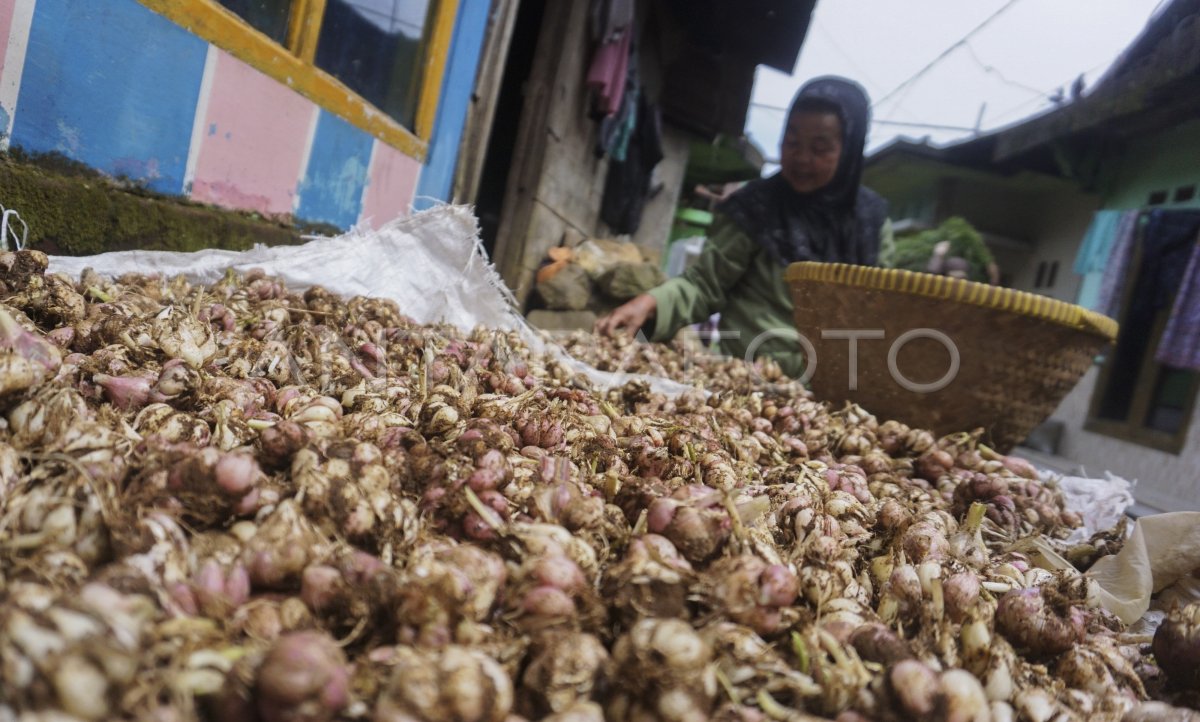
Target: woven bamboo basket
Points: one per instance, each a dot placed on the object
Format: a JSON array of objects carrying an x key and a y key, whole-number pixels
[{"x": 1018, "y": 354}]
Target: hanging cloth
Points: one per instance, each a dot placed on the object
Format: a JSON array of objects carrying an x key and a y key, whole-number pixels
[
  {"x": 625, "y": 128},
  {"x": 614, "y": 132},
  {"x": 1167, "y": 242},
  {"x": 606, "y": 76},
  {"x": 627, "y": 185},
  {"x": 1112, "y": 285},
  {"x": 613, "y": 27},
  {"x": 1180, "y": 343},
  {"x": 1166, "y": 248},
  {"x": 1098, "y": 242},
  {"x": 1164, "y": 242}
]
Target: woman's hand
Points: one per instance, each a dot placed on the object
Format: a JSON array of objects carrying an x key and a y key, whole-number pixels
[{"x": 629, "y": 317}]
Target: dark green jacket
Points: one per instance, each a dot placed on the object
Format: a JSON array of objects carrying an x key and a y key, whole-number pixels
[{"x": 736, "y": 277}]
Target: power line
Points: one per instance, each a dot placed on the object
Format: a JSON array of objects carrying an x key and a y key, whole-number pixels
[
  {"x": 930, "y": 126},
  {"x": 898, "y": 105},
  {"x": 874, "y": 84},
  {"x": 993, "y": 70},
  {"x": 1015, "y": 108},
  {"x": 881, "y": 121},
  {"x": 942, "y": 56},
  {"x": 845, "y": 55},
  {"x": 1046, "y": 96}
]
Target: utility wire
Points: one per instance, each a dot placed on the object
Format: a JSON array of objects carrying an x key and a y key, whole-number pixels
[
  {"x": 845, "y": 55},
  {"x": 879, "y": 120},
  {"x": 874, "y": 85},
  {"x": 942, "y": 56},
  {"x": 1046, "y": 96},
  {"x": 993, "y": 70},
  {"x": 930, "y": 126}
]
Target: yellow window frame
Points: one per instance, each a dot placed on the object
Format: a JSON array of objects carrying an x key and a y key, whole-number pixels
[{"x": 293, "y": 64}]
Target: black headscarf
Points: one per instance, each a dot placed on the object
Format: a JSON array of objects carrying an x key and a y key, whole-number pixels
[{"x": 840, "y": 222}]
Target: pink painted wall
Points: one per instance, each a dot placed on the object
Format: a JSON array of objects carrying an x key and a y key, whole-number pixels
[
  {"x": 255, "y": 138},
  {"x": 391, "y": 184},
  {"x": 7, "y": 8}
]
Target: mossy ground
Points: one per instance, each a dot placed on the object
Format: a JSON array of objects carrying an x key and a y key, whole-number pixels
[{"x": 73, "y": 210}]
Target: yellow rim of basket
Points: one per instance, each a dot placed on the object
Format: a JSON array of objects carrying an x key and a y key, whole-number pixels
[{"x": 956, "y": 289}]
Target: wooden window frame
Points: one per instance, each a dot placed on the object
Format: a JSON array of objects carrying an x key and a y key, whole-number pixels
[
  {"x": 1133, "y": 428},
  {"x": 294, "y": 66}
]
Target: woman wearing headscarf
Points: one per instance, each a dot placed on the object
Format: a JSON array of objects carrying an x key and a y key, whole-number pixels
[{"x": 813, "y": 209}]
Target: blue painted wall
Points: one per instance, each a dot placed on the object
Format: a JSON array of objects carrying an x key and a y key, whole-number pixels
[
  {"x": 113, "y": 85},
  {"x": 332, "y": 188},
  {"x": 437, "y": 177}
]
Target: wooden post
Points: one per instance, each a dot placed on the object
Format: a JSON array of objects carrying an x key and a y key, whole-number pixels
[
  {"x": 492, "y": 61},
  {"x": 530, "y": 148}
]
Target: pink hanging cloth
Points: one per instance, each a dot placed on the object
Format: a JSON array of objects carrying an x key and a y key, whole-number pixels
[{"x": 606, "y": 76}]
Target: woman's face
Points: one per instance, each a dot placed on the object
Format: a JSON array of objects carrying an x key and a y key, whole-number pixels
[{"x": 812, "y": 147}]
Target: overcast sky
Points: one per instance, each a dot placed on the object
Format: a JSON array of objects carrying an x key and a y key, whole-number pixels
[{"x": 1005, "y": 72}]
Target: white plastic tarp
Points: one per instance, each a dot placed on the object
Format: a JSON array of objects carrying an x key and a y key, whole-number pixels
[
  {"x": 1155, "y": 569},
  {"x": 431, "y": 263}
]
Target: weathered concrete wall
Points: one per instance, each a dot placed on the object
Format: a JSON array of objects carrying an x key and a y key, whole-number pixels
[
  {"x": 659, "y": 214},
  {"x": 1166, "y": 161},
  {"x": 1045, "y": 220},
  {"x": 1027, "y": 219},
  {"x": 1060, "y": 221},
  {"x": 990, "y": 206},
  {"x": 1165, "y": 482}
]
